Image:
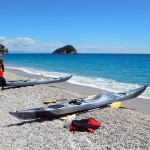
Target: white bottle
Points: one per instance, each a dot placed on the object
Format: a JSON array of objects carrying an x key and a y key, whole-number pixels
[{"x": 69, "y": 120}]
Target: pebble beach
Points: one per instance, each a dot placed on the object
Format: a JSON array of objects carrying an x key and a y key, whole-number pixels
[{"x": 121, "y": 129}]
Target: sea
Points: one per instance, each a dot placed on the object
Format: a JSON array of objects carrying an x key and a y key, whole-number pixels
[{"x": 111, "y": 72}]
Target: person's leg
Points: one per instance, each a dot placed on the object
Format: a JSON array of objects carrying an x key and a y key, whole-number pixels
[{"x": 3, "y": 83}]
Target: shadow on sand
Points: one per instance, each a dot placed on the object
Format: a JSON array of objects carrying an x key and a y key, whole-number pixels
[
  {"x": 15, "y": 87},
  {"x": 39, "y": 120},
  {"x": 51, "y": 118}
]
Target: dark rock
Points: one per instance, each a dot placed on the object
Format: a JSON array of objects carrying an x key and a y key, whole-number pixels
[
  {"x": 68, "y": 49},
  {"x": 3, "y": 49}
]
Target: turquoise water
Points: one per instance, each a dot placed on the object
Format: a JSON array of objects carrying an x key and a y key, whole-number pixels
[{"x": 113, "y": 72}]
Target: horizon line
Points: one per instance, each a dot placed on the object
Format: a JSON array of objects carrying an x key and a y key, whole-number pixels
[{"x": 75, "y": 54}]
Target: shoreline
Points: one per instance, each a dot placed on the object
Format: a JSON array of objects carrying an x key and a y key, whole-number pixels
[{"x": 139, "y": 104}]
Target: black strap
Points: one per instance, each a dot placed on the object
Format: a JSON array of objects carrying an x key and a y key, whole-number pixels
[
  {"x": 83, "y": 124},
  {"x": 75, "y": 102}
]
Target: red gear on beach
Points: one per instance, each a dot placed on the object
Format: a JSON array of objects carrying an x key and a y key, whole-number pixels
[
  {"x": 1, "y": 73},
  {"x": 89, "y": 124},
  {"x": 1, "y": 69}
]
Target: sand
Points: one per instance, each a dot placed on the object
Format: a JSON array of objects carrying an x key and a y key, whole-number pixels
[{"x": 123, "y": 128}]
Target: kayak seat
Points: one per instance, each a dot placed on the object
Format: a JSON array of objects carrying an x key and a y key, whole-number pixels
[
  {"x": 76, "y": 102},
  {"x": 122, "y": 93}
]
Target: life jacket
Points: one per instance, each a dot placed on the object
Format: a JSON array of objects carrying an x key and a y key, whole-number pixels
[{"x": 89, "y": 124}]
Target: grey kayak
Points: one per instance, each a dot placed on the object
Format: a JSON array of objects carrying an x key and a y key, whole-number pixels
[
  {"x": 35, "y": 81},
  {"x": 78, "y": 105}
]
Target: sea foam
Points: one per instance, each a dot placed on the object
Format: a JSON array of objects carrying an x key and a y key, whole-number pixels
[{"x": 100, "y": 83}]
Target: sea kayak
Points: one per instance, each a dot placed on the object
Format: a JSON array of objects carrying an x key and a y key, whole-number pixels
[
  {"x": 78, "y": 105},
  {"x": 35, "y": 81}
]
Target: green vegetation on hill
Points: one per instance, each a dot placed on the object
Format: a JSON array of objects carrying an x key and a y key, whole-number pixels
[
  {"x": 68, "y": 49},
  {"x": 3, "y": 49}
]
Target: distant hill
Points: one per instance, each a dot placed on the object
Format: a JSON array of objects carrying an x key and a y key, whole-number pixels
[
  {"x": 3, "y": 49},
  {"x": 68, "y": 49}
]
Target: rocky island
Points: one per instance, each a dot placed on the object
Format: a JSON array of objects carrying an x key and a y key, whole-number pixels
[{"x": 68, "y": 49}]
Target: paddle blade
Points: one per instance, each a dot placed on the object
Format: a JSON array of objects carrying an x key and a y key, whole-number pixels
[
  {"x": 49, "y": 101},
  {"x": 65, "y": 117},
  {"x": 115, "y": 105},
  {"x": 91, "y": 96}
]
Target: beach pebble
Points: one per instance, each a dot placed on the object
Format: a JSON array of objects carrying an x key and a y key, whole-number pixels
[{"x": 121, "y": 129}]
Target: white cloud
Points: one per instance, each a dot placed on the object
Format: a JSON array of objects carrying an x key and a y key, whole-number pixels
[
  {"x": 19, "y": 42},
  {"x": 94, "y": 49},
  {"x": 52, "y": 46},
  {"x": 28, "y": 45},
  {"x": 2, "y": 38},
  {"x": 91, "y": 47},
  {"x": 113, "y": 49}
]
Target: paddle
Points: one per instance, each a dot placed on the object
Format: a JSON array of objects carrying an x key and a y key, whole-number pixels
[
  {"x": 91, "y": 96},
  {"x": 54, "y": 101},
  {"x": 49, "y": 101},
  {"x": 115, "y": 105},
  {"x": 64, "y": 117},
  {"x": 44, "y": 76}
]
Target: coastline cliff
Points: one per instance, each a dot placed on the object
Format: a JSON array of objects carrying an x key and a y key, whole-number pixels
[{"x": 3, "y": 49}]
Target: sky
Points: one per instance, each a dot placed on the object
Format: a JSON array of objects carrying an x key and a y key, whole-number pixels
[{"x": 91, "y": 26}]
